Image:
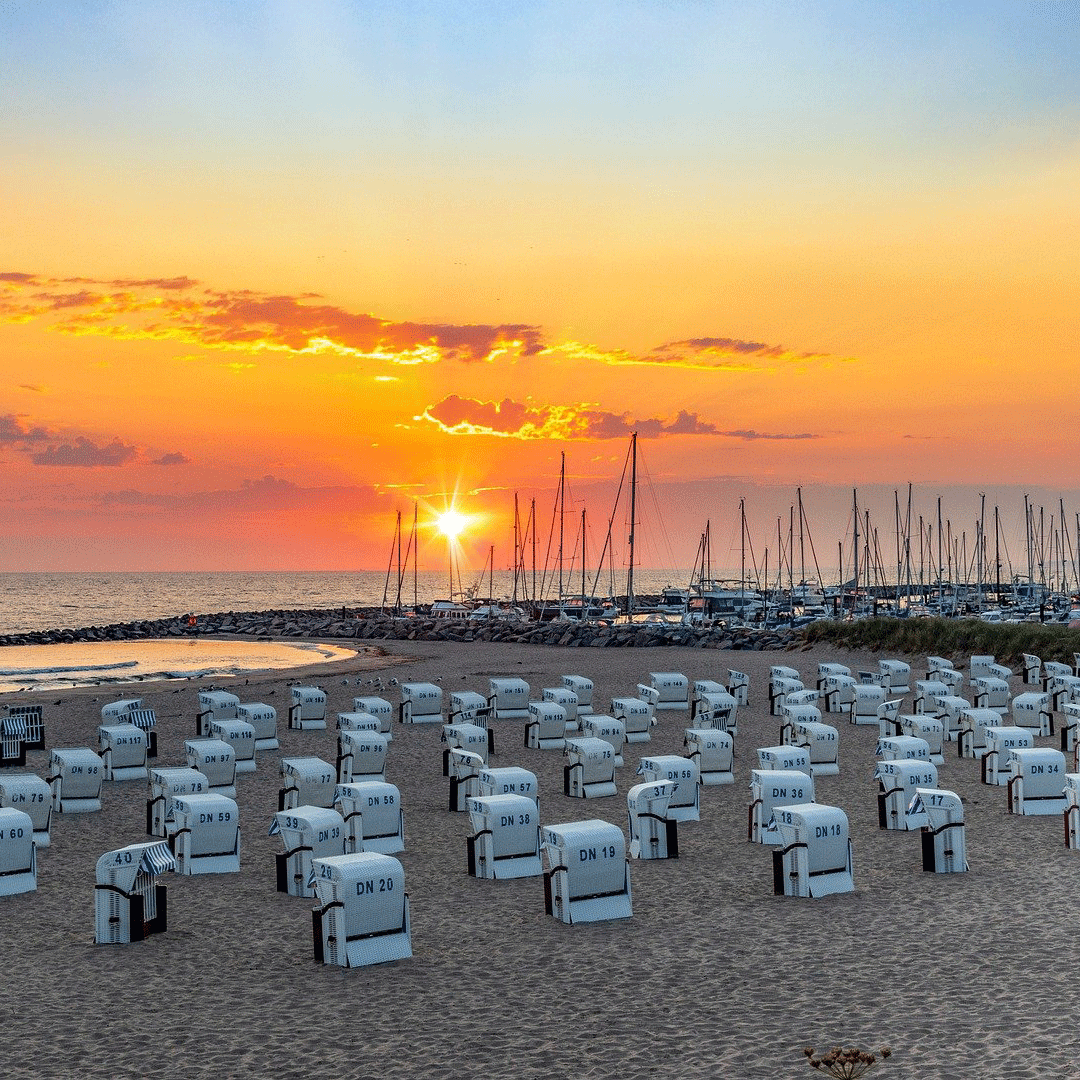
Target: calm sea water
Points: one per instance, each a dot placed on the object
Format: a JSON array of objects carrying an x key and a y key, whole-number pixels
[{"x": 49, "y": 601}]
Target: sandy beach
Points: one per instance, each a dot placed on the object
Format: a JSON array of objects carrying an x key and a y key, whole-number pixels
[{"x": 964, "y": 975}]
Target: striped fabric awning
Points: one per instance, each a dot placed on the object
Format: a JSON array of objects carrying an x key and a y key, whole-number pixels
[
  {"x": 275, "y": 828},
  {"x": 157, "y": 859},
  {"x": 13, "y": 725}
]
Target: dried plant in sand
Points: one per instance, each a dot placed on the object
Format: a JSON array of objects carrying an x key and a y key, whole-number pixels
[{"x": 846, "y": 1061}]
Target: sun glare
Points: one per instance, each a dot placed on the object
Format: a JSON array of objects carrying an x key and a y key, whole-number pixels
[{"x": 451, "y": 523}]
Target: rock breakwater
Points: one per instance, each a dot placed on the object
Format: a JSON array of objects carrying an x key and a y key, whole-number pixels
[{"x": 372, "y": 625}]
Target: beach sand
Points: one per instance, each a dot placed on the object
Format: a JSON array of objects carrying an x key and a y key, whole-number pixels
[{"x": 965, "y": 975}]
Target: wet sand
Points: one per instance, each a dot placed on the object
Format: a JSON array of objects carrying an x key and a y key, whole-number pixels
[{"x": 966, "y": 975}]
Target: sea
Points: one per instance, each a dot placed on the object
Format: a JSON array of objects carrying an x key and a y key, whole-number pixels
[{"x": 74, "y": 601}]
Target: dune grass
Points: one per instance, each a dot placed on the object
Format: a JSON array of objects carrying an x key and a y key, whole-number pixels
[{"x": 956, "y": 639}]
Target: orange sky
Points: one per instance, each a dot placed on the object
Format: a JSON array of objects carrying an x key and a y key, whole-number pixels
[{"x": 268, "y": 277}]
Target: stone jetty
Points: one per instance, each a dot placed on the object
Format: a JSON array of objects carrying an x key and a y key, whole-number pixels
[{"x": 372, "y": 625}]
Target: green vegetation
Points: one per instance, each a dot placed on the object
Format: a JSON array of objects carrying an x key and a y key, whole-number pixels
[{"x": 955, "y": 639}]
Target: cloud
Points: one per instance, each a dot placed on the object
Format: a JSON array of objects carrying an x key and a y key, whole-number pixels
[
  {"x": 14, "y": 432},
  {"x": 269, "y": 494},
  {"x": 512, "y": 419},
  {"x": 83, "y": 453},
  {"x": 179, "y": 308},
  {"x": 725, "y": 354},
  {"x": 174, "y": 458}
]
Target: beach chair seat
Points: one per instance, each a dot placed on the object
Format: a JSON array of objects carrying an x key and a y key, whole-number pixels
[
  {"x": 992, "y": 693},
  {"x": 240, "y": 735},
  {"x": 1070, "y": 727},
  {"x": 115, "y": 711},
  {"x": 163, "y": 786},
  {"x": 971, "y": 738},
  {"x": 214, "y": 705},
  {"x": 355, "y": 722},
  {"x": 1071, "y": 813},
  {"x": 463, "y": 768},
  {"x": 582, "y": 689},
  {"x": 995, "y": 768},
  {"x": 823, "y": 742},
  {"x": 830, "y": 670},
  {"x": 769, "y": 790},
  {"x": 929, "y": 694},
  {"x": 590, "y": 769},
  {"x": 896, "y": 677},
  {"x": 308, "y": 709},
  {"x": 866, "y": 701},
  {"x": 307, "y": 832},
  {"x": 738, "y": 685},
  {"x": 362, "y": 914},
  {"x": 928, "y": 728},
  {"x": 475, "y": 738},
  {"x": 813, "y": 857},
  {"x": 792, "y": 715},
  {"x": 263, "y": 718},
  {"x": 666, "y": 690},
  {"x": 546, "y": 726},
  {"x": 1037, "y": 784},
  {"x": 838, "y": 693},
  {"x": 713, "y": 751},
  {"x": 1063, "y": 690},
  {"x": 587, "y": 875},
  {"x": 979, "y": 668},
  {"x": 612, "y": 731},
  {"x": 467, "y": 707},
  {"x": 782, "y": 681},
  {"x": 507, "y": 780},
  {"x": 75, "y": 777},
  {"x": 216, "y": 760},
  {"x": 684, "y": 802},
  {"x": 1032, "y": 710},
  {"x": 637, "y": 715},
  {"x": 952, "y": 708},
  {"x": 129, "y": 902},
  {"x": 567, "y": 699},
  {"x": 377, "y": 706},
  {"x": 902, "y": 748},
  {"x": 897, "y": 781},
  {"x": 944, "y": 839},
  {"x": 785, "y": 757},
  {"x": 30, "y": 794},
  {"x": 716, "y": 709},
  {"x": 1053, "y": 669},
  {"x": 421, "y": 703},
  {"x": 374, "y": 820},
  {"x": 18, "y": 852},
  {"x": 508, "y": 698},
  {"x": 310, "y": 781},
  {"x": 700, "y": 687},
  {"x": 1032, "y": 669},
  {"x": 653, "y": 834},
  {"x": 205, "y": 834},
  {"x": 122, "y": 749},
  {"x": 505, "y": 841}
]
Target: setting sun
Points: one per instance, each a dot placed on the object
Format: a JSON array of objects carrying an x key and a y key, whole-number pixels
[{"x": 451, "y": 523}]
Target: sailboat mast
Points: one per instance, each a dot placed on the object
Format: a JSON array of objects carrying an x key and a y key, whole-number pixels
[
  {"x": 583, "y": 607},
  {"x": 562, "y": 512},
  {"x": 855, "y": 546},
  {"x": 633, "y": 520}
]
